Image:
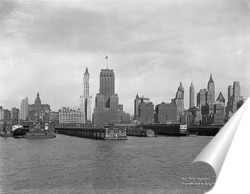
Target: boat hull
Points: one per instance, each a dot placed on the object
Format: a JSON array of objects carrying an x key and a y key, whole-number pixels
[
  {"x": 19, "y": 133},
  {"x": 6, "y": 135},
  {"x": 40, "y": 136}
]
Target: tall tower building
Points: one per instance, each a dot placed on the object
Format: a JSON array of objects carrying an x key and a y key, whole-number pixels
[
  {"x": 136, "y": 106},
  {"x": 210, "y": 90},
  {"x": 179, "y": 101},
  {"x": 143, "y": 110},
  {"x": 24, "y": 109},
  {"x": 138, "y": 100},
  {"x": 201, "y": 98},
  {"x": 107, "y": 109},
  {"x": 86, "y": 100},
  {"x": 236, "y": 95},
  {"x": 230, "y": 92},
  {"x": 236, "y": 91},
  {"x": 1, "y": 113},
  {"x": 191, "y": 95},
  {"x": 107, "y": 88},
  {"x": 234, "y": 98},
  {"x": 86, "y": 83}
]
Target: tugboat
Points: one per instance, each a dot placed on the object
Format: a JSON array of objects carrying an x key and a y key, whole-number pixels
[
  {"x": 37, "y": 131},
  {"x": 18, "y": 131}
]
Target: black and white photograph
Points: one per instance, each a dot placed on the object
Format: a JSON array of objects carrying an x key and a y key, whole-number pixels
[{"x": 123, "y": 96}]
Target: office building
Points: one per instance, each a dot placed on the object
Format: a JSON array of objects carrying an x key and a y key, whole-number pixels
[
  {"x": 1, "y": 113},
  {"x": 86, "y": 99},
  {"x": 23, "y": 115},
  {"x": 14, "y": 115},
  {"x": 138, "y": 100},
  {"x": 234, "y": 99},
  {"x": 179, "y": 102},
  {"x": 38, "y": 111},
  {"x": 210, "y": 90},
  {"x": 71, "y": 115},
  {"x": 107, "y": 109},
  {"x": 191, "y": 95},
  {"x": 166, "y": 113},
  {"x": 201, "y": 98},
  {"x": 7, "y": 116},
  {"x": 230, "y": 92}
]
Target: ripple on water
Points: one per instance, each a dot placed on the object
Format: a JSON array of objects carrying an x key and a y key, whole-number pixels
[{"x": 73, "y": 165}]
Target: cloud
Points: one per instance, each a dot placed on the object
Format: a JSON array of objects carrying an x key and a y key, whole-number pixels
[{"x": 152, "y": 46}]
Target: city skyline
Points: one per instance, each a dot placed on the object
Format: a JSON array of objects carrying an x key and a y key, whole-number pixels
[{"x": 40, "y": 53}]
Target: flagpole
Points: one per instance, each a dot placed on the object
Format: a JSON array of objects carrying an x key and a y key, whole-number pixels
[{"x": 107, "y": 62}]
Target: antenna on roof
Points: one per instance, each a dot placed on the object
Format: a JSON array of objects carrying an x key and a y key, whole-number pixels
[{"x": 107, "y": 61}]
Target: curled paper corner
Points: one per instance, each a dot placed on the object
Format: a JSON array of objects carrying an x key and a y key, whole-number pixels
[{"x": 228, "y": 154}]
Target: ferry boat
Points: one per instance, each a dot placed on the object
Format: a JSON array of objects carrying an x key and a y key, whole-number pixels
[
  {"x": 140, "y": 132},
  {"x": 37, "y": 131},
  {"x": 115, "y": 133}
]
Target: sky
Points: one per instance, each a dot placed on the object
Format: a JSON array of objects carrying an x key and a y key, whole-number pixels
[{"x": 152, "y": 46}]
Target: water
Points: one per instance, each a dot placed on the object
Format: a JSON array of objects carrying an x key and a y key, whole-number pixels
[{"x": 68, "y": 164}]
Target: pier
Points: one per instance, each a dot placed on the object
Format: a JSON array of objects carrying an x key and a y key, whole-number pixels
[
  {"x": 92, "y": 132},
  {"x": 210, "y": 130},
  {"x": 183, "y": 130},
  {"x": 167, "y": 129}
]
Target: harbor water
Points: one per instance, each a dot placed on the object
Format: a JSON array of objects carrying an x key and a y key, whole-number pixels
[{"x": 68, "y": 164}]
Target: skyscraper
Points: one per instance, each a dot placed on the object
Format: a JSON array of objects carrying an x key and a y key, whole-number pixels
[
  {"x": 179, "y": 101},
  {"x": 191, "y": 95},
  {"x": 24, "y": 109},
  {"x": 236, "y": 91},
  {"x": 86, "y": 100},
  {"x": 138, "y": 100},
  {"x": 236, "y": 95},
  {"x": 14, "y": 115},
  {"x": 210, "y": 90},
  {"x": 1, "y": 113},
  {"x": 107, "y": 109},
  {"x": 230, "y": 92},
  {"x": 143, "y": 110},
  {"x": 221, "y": 98},
  {"x": 201, "y": 98}
]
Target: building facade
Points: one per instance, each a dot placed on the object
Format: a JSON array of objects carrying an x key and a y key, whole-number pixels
[
  {"x": 38, "y": 111},
  {"x": 146, "y": 113},
  {"x": 24, "y": 109},
  {"x": 210, "y": 90},
  {"x": 71, "y": 115},
  {"x": 1, "y": 113},
  {"x": 54, "y": 117},
  {"x": 7, "y": 116},
  {"x": 191, "y": 95},
  {"x": 234, "y": 98},
  {"x": 107, "y": 110},
  {"x": 14, "y": 115},
  {"x": 166, "y": 113},
  {"x": 86, "y": 99},
  {"x": 230, "y": 92},
  {"x": 214, "y": 113},
  {"x": 201, "y": 98},
  {"x": 179, "y": 102},
  {"x": 138, "y": 100}
]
